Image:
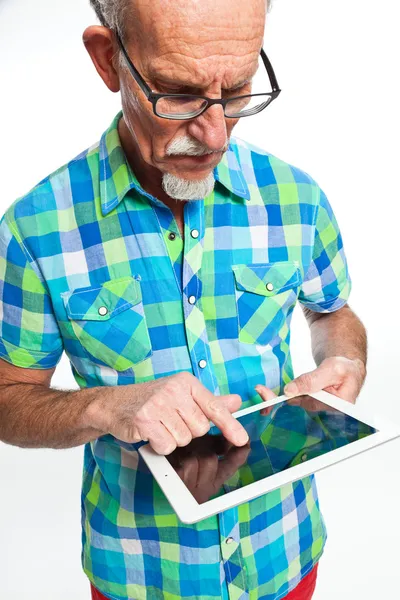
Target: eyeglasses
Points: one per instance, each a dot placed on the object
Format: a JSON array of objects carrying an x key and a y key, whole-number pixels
[{"x": 188, "y": 106}]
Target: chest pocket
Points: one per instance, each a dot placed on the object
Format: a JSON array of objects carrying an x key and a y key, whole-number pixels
[
  {"x": 265, "y": 295},
  {"x": 109, "y": 322}
]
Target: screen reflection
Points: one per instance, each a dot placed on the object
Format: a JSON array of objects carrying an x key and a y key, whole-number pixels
[{"x": 280, "y": 437}]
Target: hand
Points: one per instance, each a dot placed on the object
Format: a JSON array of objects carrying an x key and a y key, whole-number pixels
[
  {"x": 337, "y": 375},
  {"x": 168, "y": 412}
]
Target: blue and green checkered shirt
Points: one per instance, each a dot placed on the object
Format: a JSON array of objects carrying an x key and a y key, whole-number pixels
[{"x": 88, "y": 266}]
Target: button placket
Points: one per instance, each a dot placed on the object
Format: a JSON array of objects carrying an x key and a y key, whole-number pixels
[{"x": 197, "y": 338}]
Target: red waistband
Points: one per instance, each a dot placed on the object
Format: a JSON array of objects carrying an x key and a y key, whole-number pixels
[{"x": 303, "y": 591}]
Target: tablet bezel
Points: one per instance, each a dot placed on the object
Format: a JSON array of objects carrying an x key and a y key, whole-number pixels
[{"x": 190, "y": 511}]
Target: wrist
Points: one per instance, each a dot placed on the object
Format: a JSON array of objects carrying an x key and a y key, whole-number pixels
[{"x": 94, "y": 414}]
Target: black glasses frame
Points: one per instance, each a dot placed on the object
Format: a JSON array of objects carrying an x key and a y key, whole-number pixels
[{"x": 153, "y": 97}]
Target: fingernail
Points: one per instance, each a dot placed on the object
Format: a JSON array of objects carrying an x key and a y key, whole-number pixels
[{"x": 290, "y": 389}]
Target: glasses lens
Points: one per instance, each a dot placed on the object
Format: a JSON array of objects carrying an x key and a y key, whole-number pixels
[
  {"x": 180, "y": 107},
  {"x": 244, "y": 106}
]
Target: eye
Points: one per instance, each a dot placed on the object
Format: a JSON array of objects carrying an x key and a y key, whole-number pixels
[
  {"x": 237, "y": 91},
  {"x": 170, "y": 89}
]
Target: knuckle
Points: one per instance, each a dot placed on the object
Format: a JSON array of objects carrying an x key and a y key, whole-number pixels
[
  {"x": 192, "y": 412},
  {"x": 143, "y": 414},
  {"x": 184, "y": 440},
  {"x": 128, "y": 431},
  {"x": 168, "y": 448},
  {"x": 162, "y": 444},
  {"x": 201, "y": 428},
  {"x": 158, "y": 402},
  {"x": 216, "y": 408},
  {"x": 172, "y": 386},
  {"x": 183, "y": 376},
  {"x": 340, "y": 368}
]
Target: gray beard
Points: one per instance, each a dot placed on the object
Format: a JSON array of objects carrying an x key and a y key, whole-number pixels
[{"x": 184, "y": 189}]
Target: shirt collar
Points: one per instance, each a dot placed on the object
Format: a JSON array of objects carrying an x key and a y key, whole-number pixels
[
  {"x": 229, "y": 173},
  {"x": 117, "y": 177}
]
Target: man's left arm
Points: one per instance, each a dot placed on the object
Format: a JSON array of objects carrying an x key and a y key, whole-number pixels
[
  {"x": 339, "y": 347},
  {"x": 338, "y": 338}
]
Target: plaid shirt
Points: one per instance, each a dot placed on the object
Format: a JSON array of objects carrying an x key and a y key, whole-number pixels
[{"x": 89, "y": 265}]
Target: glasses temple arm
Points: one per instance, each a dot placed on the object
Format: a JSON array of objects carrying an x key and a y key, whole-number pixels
[
  {"x": 270, "y": 71},
  {"x": 136, "y": 75}
]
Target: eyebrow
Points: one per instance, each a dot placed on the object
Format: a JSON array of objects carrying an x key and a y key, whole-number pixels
[
  {"x": 239, "y": 85},
  {"x": 181, "y": 84}
]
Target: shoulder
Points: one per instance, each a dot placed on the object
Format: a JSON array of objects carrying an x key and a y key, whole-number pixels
[
  {"x": 265, "y": 168},
  {"x": 54, "y": 196}
]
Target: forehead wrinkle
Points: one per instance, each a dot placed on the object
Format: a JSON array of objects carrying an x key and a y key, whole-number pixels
[
  {"x": 198, "y": 16},
  {"x": 186, "y": 24},
  {"x": 197, "y": 75},
  {"x": 187, "y": 41}
]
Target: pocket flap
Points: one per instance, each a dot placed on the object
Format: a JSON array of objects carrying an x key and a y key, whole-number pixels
[
  {"x": 267, "y": 279},
  {"x": 102, "y": 303}
]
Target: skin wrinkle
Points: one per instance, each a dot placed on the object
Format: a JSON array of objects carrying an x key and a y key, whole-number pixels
[
  {"x": 171, "y": 61},
  {"x": 198, "y": 83},
  {"x": 206, "y": 47}
]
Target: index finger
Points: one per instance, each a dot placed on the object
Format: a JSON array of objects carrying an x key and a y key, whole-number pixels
[{"x": 218, "y": 409}]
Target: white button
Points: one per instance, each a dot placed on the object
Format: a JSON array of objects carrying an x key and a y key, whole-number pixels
[
  {"x": 270, "y": 287},
  {"x": 229, "y": 540},
  {"x": 194, "y": 233},
  {"x": 103, "y": 311},
  {"x": 202, "y": 363},
  {"x": 192, "y": 299}
]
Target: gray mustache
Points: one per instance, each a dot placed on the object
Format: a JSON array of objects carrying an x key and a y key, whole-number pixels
[{"x": 184, "y": 147}]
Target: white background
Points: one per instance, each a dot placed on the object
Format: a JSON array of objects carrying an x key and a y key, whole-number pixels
[{"x": 337, "y": 119}]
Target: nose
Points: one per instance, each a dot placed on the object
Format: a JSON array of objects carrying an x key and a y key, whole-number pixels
[{"x": 210, "y": 128}]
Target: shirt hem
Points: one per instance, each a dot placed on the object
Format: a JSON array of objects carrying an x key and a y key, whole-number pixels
[{"x": 278, "y": 597}]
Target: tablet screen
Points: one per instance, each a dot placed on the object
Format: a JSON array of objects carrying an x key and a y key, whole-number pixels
[{"x": 293, "y": 431}]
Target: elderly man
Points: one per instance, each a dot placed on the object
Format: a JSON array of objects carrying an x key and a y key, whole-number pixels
[{"x": 166, "y": 261}]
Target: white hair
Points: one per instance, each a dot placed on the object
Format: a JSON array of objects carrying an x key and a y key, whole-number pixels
[
  {"x": 113, "y": 13},
  {"x": 188, "y": 189}
]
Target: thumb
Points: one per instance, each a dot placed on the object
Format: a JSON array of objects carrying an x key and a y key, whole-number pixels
[
  {"x": 313, "y": 381},
  {"x": 265, "y": 393}
]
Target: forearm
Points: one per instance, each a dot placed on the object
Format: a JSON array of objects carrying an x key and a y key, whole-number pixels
[
  {"x": 337, "y": 334},
  {"x": 36, "y": 416}
]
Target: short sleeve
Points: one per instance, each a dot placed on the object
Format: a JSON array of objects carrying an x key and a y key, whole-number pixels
[
  {"x": 327, "y": 284},
  {"x": 29, "y": 334}
]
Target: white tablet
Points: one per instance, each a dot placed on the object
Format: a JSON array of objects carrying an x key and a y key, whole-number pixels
[{"x": 288, "y": 439}]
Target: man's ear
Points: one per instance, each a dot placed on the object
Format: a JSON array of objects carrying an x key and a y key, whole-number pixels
[{"x": 102, "y": 47}]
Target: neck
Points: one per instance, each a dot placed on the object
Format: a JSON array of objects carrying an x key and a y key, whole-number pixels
[{"x": 149, "y": 177}]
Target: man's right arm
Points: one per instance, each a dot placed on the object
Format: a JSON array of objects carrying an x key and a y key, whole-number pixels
[
  {"x": 168, "y": 412},
  {"x": 32, "y": 415}
]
